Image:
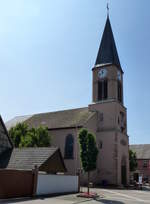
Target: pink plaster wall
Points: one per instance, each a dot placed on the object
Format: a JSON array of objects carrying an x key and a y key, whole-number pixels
[{"x": 145, "y": 171}]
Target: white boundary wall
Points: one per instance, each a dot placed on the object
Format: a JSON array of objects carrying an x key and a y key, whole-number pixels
[{"x": 51, "y": 184}]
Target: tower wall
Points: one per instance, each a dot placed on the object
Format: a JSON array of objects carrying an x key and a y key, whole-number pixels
[
  {"x": 115, "y": 144},
  {"x": 112, "y": 79}
]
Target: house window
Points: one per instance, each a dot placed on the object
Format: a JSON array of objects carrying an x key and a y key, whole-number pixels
[
  {"x": 69, "y": 147},
  {"x": 102, "y": 90},
  {"x": 119, "y": 91},
  {"x": 145, "y": 163}
]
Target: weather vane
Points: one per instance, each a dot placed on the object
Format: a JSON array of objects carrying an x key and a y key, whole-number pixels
[{"x": 107, "y": 9}]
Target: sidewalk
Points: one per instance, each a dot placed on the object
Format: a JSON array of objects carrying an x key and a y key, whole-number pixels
[{"x": 16, "y": 200}]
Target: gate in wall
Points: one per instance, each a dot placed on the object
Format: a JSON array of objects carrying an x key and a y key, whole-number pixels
[{"x": 17, "y": 183}]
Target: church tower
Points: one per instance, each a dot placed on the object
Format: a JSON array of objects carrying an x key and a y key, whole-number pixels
[
  {"x": 107, "y": 102},
  {"x": 107, "y": 72}
]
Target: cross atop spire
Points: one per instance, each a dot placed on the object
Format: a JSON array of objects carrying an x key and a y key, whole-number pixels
[
  {"x": 107, "y": 53},
  {"x": 107, "y": 9}
]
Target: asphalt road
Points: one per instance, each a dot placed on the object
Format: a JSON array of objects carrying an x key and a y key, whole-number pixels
[{"x": 107, "y": 196}]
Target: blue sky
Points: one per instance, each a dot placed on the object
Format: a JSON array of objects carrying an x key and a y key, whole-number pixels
[{"x": 48, "y": 48}]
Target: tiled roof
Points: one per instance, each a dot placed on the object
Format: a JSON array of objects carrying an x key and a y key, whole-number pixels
[
  {"x": 27, "y": 158},
  {"x": 142, "y": 151},
  {"x": 18, "y": 119},
  {"x": 60, "y": 119}
]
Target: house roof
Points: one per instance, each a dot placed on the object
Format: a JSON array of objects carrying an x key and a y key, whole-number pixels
[
  {"x": 142, "y": 150},
  {"x": 59, "y": 119},
  {"x": 107, "y": 51},
  {"x": 28, "y": 158}
]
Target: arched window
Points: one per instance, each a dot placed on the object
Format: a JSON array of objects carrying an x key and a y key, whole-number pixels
[
  {"x": 102, "y": 90},
  {"x": 69, "y": 147},
  {"x": 119, "y": 91}
]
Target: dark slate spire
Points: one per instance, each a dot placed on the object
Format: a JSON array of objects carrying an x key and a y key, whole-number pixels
[{"x": 108, "y": 52}]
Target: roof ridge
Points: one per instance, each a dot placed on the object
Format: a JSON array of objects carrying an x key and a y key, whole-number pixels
[
  {"x": 19, "y": 116},
  {"x": 60, "y": 111},
  {"x": 35, "y": 148},
  {"x": 45, "y": 113},
  {"x": 138, "y": 144}
]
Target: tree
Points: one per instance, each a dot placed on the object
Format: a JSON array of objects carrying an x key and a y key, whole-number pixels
[
  {"x": 88, "y": 152},
  {"x": 132, "y": 160},
  {"x": 23, "y": 136}
]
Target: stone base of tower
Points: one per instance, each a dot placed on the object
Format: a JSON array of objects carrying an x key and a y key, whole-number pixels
[
  {"x": 112, "y": 163},
  {"x": 113, "y": 144}
]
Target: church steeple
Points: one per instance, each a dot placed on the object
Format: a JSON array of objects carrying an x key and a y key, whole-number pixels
[
  {"x": 107, "y": 72},
  {"x": 107, "y": 53}
]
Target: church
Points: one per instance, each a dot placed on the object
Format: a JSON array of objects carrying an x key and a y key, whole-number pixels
[{"x": 105, "y": 117}]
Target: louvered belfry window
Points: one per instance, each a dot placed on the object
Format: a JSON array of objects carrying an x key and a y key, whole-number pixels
[
  {"x": 102, "y": 90},
  {"x": 69, "y": 144},
  {"x": 119, "y": 91}
]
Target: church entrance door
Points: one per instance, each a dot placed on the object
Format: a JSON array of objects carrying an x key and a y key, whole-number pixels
[
  {"x": 123, "y": 175},
  {"x": 123, "y": 171}
]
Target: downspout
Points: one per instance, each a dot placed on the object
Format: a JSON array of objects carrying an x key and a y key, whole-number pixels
[{"x": 35, "y": 180}]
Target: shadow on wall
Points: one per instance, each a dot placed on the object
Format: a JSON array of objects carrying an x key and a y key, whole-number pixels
[{"x": 105, "y": 201}]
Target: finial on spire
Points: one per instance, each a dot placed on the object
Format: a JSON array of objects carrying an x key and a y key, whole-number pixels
[{"x": 107, "y": 9}]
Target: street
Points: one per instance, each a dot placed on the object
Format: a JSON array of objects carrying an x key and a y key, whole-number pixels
[{"x": 110, "y": 196}]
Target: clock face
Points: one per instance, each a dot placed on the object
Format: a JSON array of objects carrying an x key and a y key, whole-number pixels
[
  {"x": 102, "y": 73},
  {"x": 119, "y": 75}
]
